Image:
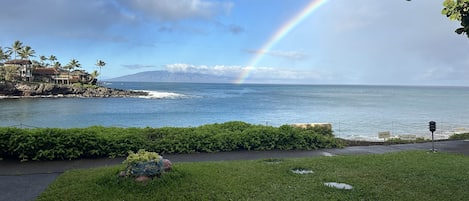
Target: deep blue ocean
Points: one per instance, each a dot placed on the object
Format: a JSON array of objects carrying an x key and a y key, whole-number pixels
[{"x": 358, "y": 112}]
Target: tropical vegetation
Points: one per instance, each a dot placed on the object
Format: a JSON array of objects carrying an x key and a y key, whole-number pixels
[
  {"x": 462, "y": 136},
  {"x": 11, "y": 66},
  {"x": 100, "y": 64},
  {"x": 97, "y": 141},
  {"x": 416, "y": 175},
  {"x": 458, "y": 10}
]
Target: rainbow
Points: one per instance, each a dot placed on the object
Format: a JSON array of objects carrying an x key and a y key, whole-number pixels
[{"x": 277, "y": 36}]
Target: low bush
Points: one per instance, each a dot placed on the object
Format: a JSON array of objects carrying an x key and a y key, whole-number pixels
[
  {"x": 463, "y": 136},
  {"x": 401, "y": 141},
  {"x": 98, "y": 141}
]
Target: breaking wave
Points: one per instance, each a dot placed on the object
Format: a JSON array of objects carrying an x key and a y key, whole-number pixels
[{"x": 162, "y": 95}]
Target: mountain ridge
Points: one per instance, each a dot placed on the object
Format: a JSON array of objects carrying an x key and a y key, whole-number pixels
[{"x": 167, "y": 76}]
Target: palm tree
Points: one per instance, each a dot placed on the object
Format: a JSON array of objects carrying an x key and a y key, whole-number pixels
[
  {"x": 43, "y": 59},
  {"x": 52, "y": 59},
  {"x": 100, "y": 64},
  {"x": 36, "y": 64},
  {"x": 15, "y": 48},
  {"x": 57, "y": 65},
  {"x": 94, "y": 75},
  {"x": 26, "y": 52},
  {"x": 4, "y": 55},
  {"x": 72, "y": 65}
]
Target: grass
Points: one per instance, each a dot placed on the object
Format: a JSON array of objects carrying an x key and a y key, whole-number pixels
[{"x": 415, "y": 175}]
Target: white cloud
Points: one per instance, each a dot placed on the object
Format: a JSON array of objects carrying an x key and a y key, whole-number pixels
[
  {"x": 218, "y": 70},
  {"x": 255, "y": 73}
]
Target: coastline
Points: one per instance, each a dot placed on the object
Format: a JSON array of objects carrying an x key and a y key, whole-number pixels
[{"x": 47, "y": 90}]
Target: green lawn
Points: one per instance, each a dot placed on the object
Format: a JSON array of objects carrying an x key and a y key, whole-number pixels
[{"x": 413, "y": 175}]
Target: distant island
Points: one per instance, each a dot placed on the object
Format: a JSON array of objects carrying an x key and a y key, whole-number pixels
[
  {"x": 23, "y": 77},
  {"x": 167, "y": 76}
]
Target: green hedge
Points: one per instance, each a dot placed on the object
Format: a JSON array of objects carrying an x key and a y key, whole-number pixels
[
  {"x": 97, "y": 141},
  {"x": 462, "y": 136}
]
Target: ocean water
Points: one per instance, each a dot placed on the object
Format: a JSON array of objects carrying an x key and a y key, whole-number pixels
[{"x": 355, "y": 112}]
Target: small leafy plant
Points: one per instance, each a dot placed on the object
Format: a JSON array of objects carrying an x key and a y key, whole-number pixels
[
  {"x": 141, "y": 156},
  {"x": 144, "y": 163}
]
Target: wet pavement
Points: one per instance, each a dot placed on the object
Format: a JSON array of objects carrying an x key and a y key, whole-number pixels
[{"x": 20, "y": 181}]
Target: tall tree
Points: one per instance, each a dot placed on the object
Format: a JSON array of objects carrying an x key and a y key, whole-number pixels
[
  {"x": 94, "y": 75},
  {"x": 15, "y": 48},
  {"x": 52, "y": 59},
  {"x": 43, "y": 60},
  {"x": 100, "y": 64},
  {"x": 36, "y": 64},
  {"x": 26, "y": 52},
  {"x": 4, "y": 55},
  {"x": 57, "y": 65},
  {"x": 72, "y": 65},
  {"x": 458, "y": 10}
]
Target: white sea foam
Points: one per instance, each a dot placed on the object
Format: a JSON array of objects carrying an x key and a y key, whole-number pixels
[
  {"x": 363, "y": 138},
  {"x": 162, "y": 95}
]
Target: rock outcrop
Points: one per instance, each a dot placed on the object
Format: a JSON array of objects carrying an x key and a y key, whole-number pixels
[{"x": 9, "y": 89}]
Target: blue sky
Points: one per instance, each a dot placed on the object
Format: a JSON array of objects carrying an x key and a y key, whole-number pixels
[{"x": 386, "y": 42}]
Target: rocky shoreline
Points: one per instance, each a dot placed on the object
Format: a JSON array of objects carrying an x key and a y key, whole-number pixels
[{"x": 48, "y": 90}]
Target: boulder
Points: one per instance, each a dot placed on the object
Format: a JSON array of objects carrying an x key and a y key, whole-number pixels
[{"x": 167, "y": 165}]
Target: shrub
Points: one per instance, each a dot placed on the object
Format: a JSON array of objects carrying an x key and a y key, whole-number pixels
[
  {"x": 463, "y": 136},
  {"x": 98, "y": 141}
]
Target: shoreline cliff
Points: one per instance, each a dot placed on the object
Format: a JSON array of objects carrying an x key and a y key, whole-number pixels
[{"x": 46, "y": 90}]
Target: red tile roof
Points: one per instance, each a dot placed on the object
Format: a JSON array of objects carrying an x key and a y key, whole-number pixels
[
  {"x": 19, "y": 61},
  {"x": 45, "y": 71}
]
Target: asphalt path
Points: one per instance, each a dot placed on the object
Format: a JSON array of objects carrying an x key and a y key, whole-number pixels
[{"x": 21, "y": 181}]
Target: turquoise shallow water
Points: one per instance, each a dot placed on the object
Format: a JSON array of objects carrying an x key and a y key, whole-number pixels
[{"x": 354, "y": 111}]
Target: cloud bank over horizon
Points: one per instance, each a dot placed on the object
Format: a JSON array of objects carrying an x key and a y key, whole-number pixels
[{"x": 259, "y": 74}]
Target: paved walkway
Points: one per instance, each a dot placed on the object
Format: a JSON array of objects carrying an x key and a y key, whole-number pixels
[{"x": 25, "y": 181}]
